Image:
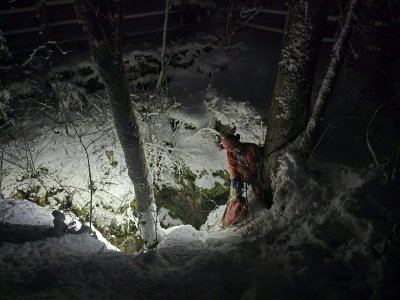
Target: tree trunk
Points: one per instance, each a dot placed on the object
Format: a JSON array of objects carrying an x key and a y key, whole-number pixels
[
  {"x": 5, "y": 55},
  {"x": 306, "y": 139},
  {"x": 290, "y": 103},
  {"x": 96, "y": 17},
  {"x": 162, "y": 74}
]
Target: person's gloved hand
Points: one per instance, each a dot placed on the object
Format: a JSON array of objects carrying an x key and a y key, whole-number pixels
[
  {"x": 232, "y": 193},
  {"x": 235, "y": 190},
  {"x": 233, "y": 183}
]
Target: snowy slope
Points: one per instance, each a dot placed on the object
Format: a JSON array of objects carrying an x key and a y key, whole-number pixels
[
  {"x": 45, "y": 163},
  {"x": 313, "y": 243}
]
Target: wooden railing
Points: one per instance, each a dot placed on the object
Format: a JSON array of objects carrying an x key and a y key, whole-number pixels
[
  {"x": 41, "y": 28},
  {"x": 281, "y": 30},
  {"x": 59, "y": 30}
]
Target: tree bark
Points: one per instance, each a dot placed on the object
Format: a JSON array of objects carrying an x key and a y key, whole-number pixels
[
  {"x": 96, "y": 17},
  {"x": 291, "y": 99},
  {"x": 306, "y": 139}
]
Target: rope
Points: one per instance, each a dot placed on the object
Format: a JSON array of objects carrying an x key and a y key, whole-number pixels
[
  {"x": 247, "y": 201},
  {"x": 284, "y": 144}
]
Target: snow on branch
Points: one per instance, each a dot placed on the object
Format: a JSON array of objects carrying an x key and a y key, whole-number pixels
[{"x": 44, "y": 47}]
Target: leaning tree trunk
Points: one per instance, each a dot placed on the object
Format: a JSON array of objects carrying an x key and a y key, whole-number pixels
[
  {"x": 306, "y": 139},
  {"x": 290, "y": 103},
  {"x": 97, "y": 20}
]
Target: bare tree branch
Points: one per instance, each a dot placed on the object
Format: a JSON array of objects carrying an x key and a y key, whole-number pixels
[
  {"x": 85, "y": 147},
  {"x": 305, "y": 140},
  {"x": 371, "y": 150},
  {"x": 161, "y": 76},
  {"x": 1, "y": 172}
]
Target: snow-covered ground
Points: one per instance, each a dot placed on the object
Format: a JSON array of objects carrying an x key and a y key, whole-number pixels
[{"x": 314, "y": 243}]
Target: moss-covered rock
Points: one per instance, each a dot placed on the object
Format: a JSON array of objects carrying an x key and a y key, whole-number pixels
[
  {"x": 123, "y": 236},
  {"x": 39, "y": 194},
  {"x": 42, "y": 201},
  {"x": 190, "y": 203},
  {"x": 81, "y": 213},
  {"x": 19, "y": 195}
]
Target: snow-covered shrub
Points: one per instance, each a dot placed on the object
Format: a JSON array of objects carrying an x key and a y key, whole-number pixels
[
  {"x": 70, "y": 96},
  {"x": 83, "y": 74},
  {"x": 13, "y": 96},
  {"x": 212, "y": 63}
]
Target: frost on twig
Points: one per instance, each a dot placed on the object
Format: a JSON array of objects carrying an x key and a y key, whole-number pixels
[
  {"x": 238, "y": 15},
  {"x": 69, "y": 97},
  {"x": 368, "y": 141},
  {"x": 389, "y": 174},
  {"x": 47, "y": 48}
]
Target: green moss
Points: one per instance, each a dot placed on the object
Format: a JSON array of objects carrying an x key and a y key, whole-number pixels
[
  {"x": 19, "y": 195},
  {"x": 190, "y": 203},
  {"x": 111, "y": 158},
  {"x": 108, "y": 207},
  {"x": 133, "y": 203},
  {"x": 124, "y": 236},
  {"x": 82, "y": 213},
  {"x": 42, "y": 201},
  {"x": 222, "y": 174},
  {"x": 65, "y": 204},
  {"x": 123, "y": 209},
  {"x": 33, "y": 194},
  {"x": 128, "y": 244},
  {"x": 185, "y": 176}
]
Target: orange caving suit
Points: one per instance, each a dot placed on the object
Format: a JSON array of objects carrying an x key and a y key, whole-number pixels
[{"x": 243, "y": 165}]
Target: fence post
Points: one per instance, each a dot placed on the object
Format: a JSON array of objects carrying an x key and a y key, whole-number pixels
[{"x": 43, "y": 19}]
